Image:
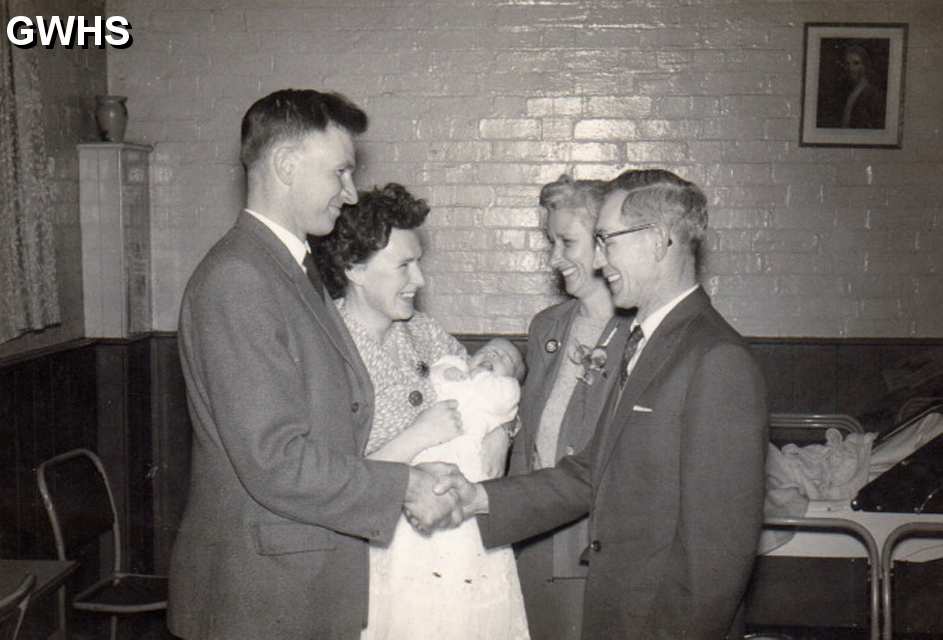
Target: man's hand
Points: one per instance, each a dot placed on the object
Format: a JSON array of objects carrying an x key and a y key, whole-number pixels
[
  {"x": 472, "y": 498},
  {"x": 425, "y": 509}
]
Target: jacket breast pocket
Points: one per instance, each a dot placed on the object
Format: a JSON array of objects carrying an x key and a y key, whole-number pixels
[{"x": 280, "y": 538}]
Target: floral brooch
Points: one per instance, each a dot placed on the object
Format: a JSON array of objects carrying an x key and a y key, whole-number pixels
[{"x": 593, "y": 359}]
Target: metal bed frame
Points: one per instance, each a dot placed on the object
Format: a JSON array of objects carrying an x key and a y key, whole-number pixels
[
  {"x": 908, "y": 530},
  {"x": 814, "y": 421},
  {"x": 788, "y": 424},
  {"x": 881, "y": 561},
  {"x": 851, "y": 528}
]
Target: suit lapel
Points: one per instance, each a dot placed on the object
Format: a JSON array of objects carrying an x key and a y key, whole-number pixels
[
  {"x": 359, "y": 369},
  {"x": 558, "y": 330},
  {"x": 586, "y": 402},
  {"x": 293, "y": 271},
  {"x": 656, "y": 354},
  {"x": 324, "y": 312}
]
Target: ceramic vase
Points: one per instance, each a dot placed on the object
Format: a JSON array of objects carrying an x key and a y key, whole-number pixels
[{"x": 111, "y": 114}]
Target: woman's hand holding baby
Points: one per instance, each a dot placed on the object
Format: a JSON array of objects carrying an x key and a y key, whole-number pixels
[{"x": 439, "y": 423}]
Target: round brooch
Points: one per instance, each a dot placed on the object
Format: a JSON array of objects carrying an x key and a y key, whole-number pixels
[
  {"x": 552, "y": 346},
  {"x": 415, "y": 398}
]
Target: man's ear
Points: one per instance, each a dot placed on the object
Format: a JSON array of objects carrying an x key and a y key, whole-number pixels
[
  {"x": 284, "y": 160},
  {"x": 662, "y": 241},
  {"x": 356, "y": 273}
]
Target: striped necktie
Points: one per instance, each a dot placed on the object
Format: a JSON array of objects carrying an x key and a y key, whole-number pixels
[
  {"x": 631, "y": 346},
  {"x": 615, "y": 394},
  {"x": 313, "y": 276}
]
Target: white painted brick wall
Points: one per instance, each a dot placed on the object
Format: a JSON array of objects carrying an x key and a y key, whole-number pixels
[{"x": 475, "y": 105}]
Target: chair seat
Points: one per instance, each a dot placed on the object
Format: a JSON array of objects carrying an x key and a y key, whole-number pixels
[{"x": 124, "y": 593}]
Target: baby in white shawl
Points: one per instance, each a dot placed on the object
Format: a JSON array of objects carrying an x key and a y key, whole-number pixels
[
  {"x": 447, "y": 586},
  {"x": 487, "y": 389}
]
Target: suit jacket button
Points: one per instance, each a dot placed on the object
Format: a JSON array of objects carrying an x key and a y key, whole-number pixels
[
  {"x": 596, "y": 546},
  {"x": 354, "y": 407}
]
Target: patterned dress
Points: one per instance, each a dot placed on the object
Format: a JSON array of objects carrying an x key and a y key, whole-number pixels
[
  {"x": 446, "y": 586},
  {"x": 399, "y": 370}
]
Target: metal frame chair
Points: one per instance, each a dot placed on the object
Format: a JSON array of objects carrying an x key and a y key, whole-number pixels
[
  {"x": 80, "y": 519},
  {"x": 13, "y": 608}
]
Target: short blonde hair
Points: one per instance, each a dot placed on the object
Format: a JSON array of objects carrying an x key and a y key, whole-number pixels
[{"x": 583, "y": 197}]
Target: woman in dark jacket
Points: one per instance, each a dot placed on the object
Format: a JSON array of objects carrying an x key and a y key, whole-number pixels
[{"x": 572, "y": 350}]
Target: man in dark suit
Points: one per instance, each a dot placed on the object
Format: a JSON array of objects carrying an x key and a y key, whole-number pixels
[
  {"x": 673, "y": 479},
  {"x": 273, "y": 543}
]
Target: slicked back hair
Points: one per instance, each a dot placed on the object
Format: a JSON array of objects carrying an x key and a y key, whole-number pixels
[
  {"x": 292, "y": 114},
  {"x": 661, "y": 196}
]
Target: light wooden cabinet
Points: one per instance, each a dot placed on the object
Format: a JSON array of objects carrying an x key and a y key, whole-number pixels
[{"x": 114, "y": 211}]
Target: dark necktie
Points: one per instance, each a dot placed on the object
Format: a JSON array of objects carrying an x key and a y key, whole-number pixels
[
  {"x": 615, "y": 394},
  {"x": 313, "y": 276},
  {"x": 631, "y": 346}
]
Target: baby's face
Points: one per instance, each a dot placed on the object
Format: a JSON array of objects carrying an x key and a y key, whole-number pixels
[{"x": 498, "y": 356}]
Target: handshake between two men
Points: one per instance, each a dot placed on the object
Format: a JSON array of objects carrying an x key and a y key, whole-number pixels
[{"x": 440, "y": 497}]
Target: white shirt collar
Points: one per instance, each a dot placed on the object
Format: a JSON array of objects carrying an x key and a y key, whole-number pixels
[
  {"x": 650, "y": 324},
  {"x": 296, "y": 247}
]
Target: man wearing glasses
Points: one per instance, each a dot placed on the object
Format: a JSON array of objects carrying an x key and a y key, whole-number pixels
[{"x": 674, "y": 478}]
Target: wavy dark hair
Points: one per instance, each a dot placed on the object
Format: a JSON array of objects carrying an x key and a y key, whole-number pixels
[{"x": 363, "y": 229}]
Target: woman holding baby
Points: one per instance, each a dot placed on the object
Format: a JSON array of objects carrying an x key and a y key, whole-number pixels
[
  {"x": 371, "y": 264},
  {"x": 432, "y": 402}
]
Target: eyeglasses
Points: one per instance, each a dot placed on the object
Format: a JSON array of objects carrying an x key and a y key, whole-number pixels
[{"x": 603, "y": 238}]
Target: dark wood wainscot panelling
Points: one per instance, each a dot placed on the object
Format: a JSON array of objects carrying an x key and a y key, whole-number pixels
[
  {"x": 870, "y": 379},
  {"x": 171, "y": 438},
  {"x": 94, "y": 394},
  {"x": 127, "y": 400},
  {"x": 47, "y": 406},
  {"x": 123, "y": 369}
]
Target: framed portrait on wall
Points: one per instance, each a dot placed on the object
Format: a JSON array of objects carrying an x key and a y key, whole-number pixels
[{"x": 853, "y": 85}]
